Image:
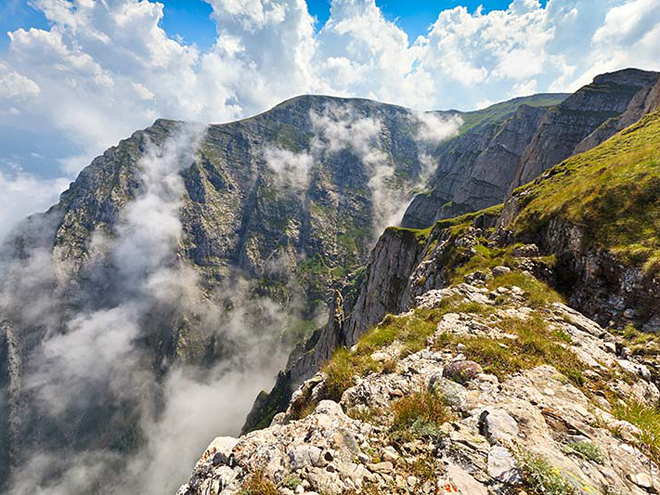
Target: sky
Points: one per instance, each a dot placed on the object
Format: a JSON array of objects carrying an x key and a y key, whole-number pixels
[{"x": 76, "y": 76}]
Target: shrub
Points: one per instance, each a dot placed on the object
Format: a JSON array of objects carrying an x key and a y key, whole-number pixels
[
  {"x": 540, "y": 477},
  {"x": 588, "y": 450},
  {"x": 420, "y": 415},
  {"x": 258, "y": 484}
]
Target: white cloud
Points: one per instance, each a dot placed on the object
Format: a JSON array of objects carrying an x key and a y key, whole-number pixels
[
  {"x": 23, "y": 194},
  {"x": 16, "y": 86},
  {"x": 289, "y": 167},
  {"x": 104, "y": 69}
]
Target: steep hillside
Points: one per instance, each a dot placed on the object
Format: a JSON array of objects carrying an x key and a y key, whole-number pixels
[
  {"x": 494, "y": 155},
  {"x": 455, "y": 367},
  {"x": 592, "y": 222},
  {"x": 205, "y": 248}
]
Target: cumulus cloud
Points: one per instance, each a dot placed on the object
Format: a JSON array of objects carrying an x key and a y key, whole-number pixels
[{"x": 103, "y": 69}]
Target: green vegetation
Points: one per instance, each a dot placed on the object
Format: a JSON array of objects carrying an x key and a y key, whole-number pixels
[
  {"x": 291, "y": 482},
  {"x": 473, "y": 121},
  {"x": 611, "y": 191},
  {"x": 537, "y": 293},
  {"x": 258, "y": 484},
  {"x": 647, "y": 419},
  {"x": 588, "y": 450},
  {"x": 535, "y": 345},
  {"x": 420, "y": 414},
  {"x": 540, "y": 477},
  {"x": 411, "y": 331}
]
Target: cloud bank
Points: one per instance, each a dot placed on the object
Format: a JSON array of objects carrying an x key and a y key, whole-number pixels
[{"x": 91, "y": 361}]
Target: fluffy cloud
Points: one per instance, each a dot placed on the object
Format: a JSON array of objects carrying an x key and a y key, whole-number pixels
[
  {"x": 23, "y": 194},
  {"x": 103, "y": 69}
]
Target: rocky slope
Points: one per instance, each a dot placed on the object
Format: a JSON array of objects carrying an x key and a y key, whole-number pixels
[
  {"x": 433, "y": 421},
  {"x": 495, "y": 156},
  {"x": 188, "y": 245},
  {"x": 589, "y": 228}
]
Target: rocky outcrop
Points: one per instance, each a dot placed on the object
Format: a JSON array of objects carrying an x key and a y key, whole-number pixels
[
  {"x": 566, "y": 125},
  {"x": 475, "y": 169},
  {"x": 533, "y": 430}
]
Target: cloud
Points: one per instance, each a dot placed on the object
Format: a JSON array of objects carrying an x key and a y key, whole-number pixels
[
  {"x": 92, "y": 355},
  {"x": 24, "y": 194},
  {"x": 289, "y": 167},
  {"x": 103, "y": 69},
  {"x": 343, "y": 128}
]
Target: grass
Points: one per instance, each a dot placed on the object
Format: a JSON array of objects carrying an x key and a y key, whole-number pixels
[
  {"x": 540, "y": 477},
  {"x": 588, "y": 450},
  {"x": 537, "y": 293},
  {"x": 536, "y": 344},
  {"x": 611, "y": 191},
  {"x": 419, "y": 415},
  {"x": 258, "y": 484},
  {"x": 647, "y": 419},
  {"x": 412, "y": 331},
  {"x": 499, "y": 112}
]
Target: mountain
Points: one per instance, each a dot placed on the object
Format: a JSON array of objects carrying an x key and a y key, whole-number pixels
[
  {"x": 145, "y": 311},
  {"x": 204, "y": 248},
  {"x": 508, "y": 350},
  {"x": 493, "y": 156}
]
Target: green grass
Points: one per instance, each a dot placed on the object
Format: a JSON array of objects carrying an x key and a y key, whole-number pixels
[
  {"x": 537, "y": 293},
  {"x": 588, "y": 450},
  {"x": 535, "y": 345},
  {"x": 420, "y": 414},
  {"x": 612, "y": 191},
  {"x": 499, "y": 112},
  {"x": 412, "y": 331},
  {"x": 647, "y": 419}
]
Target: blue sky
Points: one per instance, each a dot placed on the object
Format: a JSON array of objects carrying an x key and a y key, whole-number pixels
[
  {"x": 190, "y": 18},
  {"x": 97, "y": 71}
]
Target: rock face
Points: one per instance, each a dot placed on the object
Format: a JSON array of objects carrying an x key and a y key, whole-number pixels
[
  {"x": 532, "y": 430},
  {"x": 276, "y": 209},
  {"x": 480, "y": 166},
  {"x": 565, "y": 126}
]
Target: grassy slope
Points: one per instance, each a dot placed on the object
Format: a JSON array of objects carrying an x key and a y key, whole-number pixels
[
  {"x": 501, "y": 111},
  {"x": 613, "y": 191}
]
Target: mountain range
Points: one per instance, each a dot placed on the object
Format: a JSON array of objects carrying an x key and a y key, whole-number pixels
[{"x": 194, "y": 257}]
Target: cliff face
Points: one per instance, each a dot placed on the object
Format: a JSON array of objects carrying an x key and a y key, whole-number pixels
[
  {"x": 186, "y": 246},
  {"x": 588, "y": 228},
  {"x": 475, "y": 170},
  {"x": 488, "y": 160},
  {"x": 566, "y": 125}
]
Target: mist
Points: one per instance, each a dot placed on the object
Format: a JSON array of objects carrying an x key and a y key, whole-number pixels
[{"x": 93, "y": 353}]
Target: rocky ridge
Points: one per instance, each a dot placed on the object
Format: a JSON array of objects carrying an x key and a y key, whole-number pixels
[
  {"x": 543, "y": 234},
  {"x": 534, "y": 430},
  {"x": 486, "y": 162}
]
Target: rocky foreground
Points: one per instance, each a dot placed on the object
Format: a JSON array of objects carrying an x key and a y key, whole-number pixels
[{"x": 464, "y": 410}]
